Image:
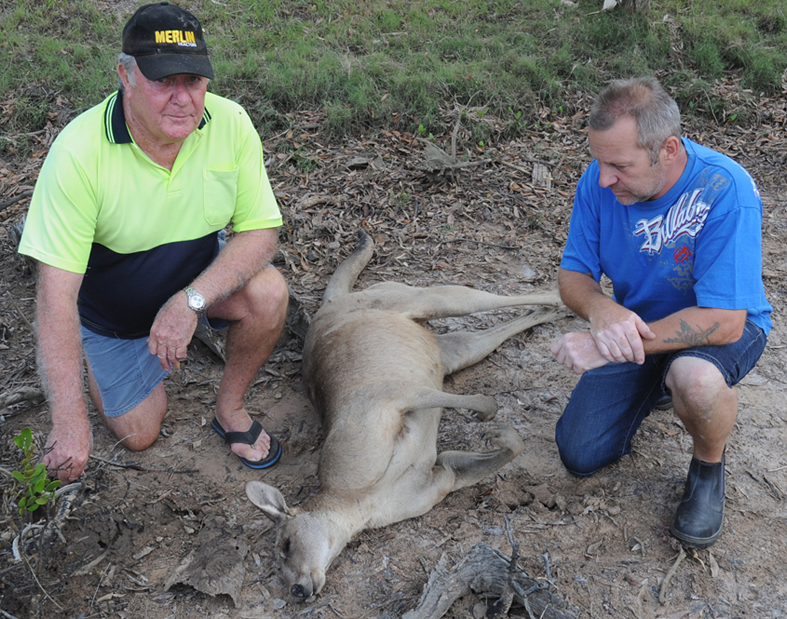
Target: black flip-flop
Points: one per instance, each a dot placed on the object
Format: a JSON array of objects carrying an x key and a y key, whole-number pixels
[{"x": 249, "y": 437}]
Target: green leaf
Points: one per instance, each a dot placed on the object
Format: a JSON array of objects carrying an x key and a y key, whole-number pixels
[
  {"x": 22, "y": 503},
  {"x": 24, "y": 440},
  {"x": 39, "y": 485},
  {"x": 18, "y": 476},
  {"x": 53, "y": 485}
]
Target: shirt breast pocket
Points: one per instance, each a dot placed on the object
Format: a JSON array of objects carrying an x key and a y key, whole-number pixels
[{"x": 220, "y": 192}]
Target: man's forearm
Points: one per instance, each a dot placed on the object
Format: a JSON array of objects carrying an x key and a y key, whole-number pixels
[
  {"x": 696, "y": 326},
  {"x": 581, "y": 293},
  {"x": 59, "y": 349},
  {"x": 622, "y": 334},
  {"x": 244, "y": 256}
]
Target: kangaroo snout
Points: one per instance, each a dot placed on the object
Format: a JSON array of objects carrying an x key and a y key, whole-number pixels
[{"x": 308, "y": 586}]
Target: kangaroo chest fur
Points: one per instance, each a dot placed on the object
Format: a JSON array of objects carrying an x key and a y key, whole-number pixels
[
  {"x": 349, "y": 348},
  {"x": 358, "y": 363}
]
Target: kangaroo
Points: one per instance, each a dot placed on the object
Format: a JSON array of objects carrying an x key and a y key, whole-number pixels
[{"x": 375, "y": 374}]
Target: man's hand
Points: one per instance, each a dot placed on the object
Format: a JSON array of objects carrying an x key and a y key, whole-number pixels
[
  {"x": 617, "y": 331},
  {"x": 618, "y": 334},
  {"x": 578, "y": 352},
  {"x": 68, "y": 449},
  {"x": 172, "y": 331}
]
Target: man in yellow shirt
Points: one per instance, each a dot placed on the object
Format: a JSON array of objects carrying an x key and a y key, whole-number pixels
[{"x": 125, "y": 222}]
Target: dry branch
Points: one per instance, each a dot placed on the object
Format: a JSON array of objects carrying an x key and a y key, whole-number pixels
[
  {"x": 29, "y": 394},
  {"x": 25, "y": 194},
  {"x": 487, "y": 573},
  {"x": 665, "y": 583},
  {"x": 439, "y": 162}
]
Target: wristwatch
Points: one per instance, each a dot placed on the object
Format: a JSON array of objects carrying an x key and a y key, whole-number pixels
[{"x": 196, "y": 300}]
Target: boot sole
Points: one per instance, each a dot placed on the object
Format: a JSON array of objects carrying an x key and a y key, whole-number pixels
[{"x": 694, "y": 542}]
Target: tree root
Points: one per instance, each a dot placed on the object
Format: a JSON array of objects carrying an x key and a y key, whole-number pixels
[{"x": 487, "y": 573}]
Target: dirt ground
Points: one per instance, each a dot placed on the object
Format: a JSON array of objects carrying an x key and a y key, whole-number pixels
[{"x": 602, "y": 543}]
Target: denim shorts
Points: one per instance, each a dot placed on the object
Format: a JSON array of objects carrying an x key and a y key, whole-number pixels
[
  {"x": 609, "y": 403},
  {"x": 125, "y": 371}
]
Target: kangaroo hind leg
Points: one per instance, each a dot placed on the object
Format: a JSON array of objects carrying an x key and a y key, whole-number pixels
[
  {"x": 462, "y": 349},
  {"x": 443, "y": 301},
  {"x": 469, "y": 467},
  {"x": 416, "y": 493}
]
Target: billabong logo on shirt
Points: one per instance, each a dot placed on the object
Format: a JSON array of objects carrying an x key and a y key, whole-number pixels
[
  {"x": 183, "y": 38},
  {"x": 686, "y": 216}
]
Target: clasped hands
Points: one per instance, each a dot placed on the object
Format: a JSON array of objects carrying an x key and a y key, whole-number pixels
[{"x": 615, "y": 337}]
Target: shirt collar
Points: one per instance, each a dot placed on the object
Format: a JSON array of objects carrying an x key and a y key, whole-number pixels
[{"x": 115, "y": 120}]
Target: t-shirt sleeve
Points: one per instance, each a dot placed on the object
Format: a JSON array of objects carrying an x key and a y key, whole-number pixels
[
  {"x": 61, "y": 220},
  {"x": 728, "y": 266},
  {"x": 582, "y": 253}
]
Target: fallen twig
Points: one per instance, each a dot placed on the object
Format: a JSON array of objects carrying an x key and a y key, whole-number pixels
[
  {"x": 20, "y": 395},
  {"x": 15, "y": 199},
  {"x": 668, "y": 577},
  {"x": 21, "y": 314},
  {"x": 15, "y": 550},
  {"x": 137, "y": 467},
  {"x": 85, "y": 569},
  {"x": 98, "y": 586},
  {"x": 484, "y": 243},
  {"x": 40, "y": 586}
]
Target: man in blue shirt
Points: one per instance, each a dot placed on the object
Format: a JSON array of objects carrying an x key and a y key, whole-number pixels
[{"x": 676, "y": 227}]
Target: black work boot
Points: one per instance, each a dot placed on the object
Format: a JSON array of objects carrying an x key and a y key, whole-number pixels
[
  {"x": 700, "y": 515},
  {"x": 664, "y": 403}
]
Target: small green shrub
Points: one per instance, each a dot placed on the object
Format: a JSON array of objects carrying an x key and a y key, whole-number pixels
[{"x": 35, "y": 490}]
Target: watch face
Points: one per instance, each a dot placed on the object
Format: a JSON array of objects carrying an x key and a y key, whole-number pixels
[{"x": 197, "y": 301}]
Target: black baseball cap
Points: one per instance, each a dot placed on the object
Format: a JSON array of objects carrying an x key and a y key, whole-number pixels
[{"x": 166, "y": 40}]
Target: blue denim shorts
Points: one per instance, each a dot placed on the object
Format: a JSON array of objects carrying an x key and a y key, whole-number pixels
[
  {"x": 609, "y": 403},
  {"x": 125, "y": 371}
]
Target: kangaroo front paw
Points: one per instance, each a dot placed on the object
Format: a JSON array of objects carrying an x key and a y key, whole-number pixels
[{"x": 504, "y": 436}]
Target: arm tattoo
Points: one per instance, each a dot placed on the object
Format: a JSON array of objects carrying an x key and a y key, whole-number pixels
[{"x": 691, "y": 337}]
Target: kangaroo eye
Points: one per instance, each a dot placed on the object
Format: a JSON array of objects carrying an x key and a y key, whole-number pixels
[{"x": 285, "y": 548}]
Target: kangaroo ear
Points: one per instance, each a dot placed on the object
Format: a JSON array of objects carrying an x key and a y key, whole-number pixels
[{"x": 269, "y": 500}]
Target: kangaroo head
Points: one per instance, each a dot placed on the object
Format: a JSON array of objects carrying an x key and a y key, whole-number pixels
[{"x": 305, "y": 544}]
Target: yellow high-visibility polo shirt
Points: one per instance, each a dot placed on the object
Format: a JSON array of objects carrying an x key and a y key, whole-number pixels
[{"x": 138, "y": 231}]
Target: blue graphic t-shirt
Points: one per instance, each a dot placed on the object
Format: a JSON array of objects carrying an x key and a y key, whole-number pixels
[{"x": 698, "y": 245}]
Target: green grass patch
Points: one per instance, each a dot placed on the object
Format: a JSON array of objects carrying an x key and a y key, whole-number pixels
[{"x": 392, "y": 63}]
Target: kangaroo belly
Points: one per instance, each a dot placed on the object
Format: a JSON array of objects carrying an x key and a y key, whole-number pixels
[{"x": 347, "y": 351}]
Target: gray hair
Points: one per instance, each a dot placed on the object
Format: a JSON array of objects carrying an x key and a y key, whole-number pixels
[
  {"x": 128, "y": 63},
  {"x": 643, "y": 99}
]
